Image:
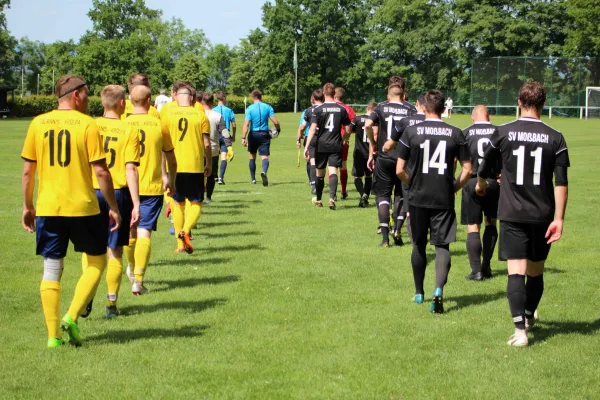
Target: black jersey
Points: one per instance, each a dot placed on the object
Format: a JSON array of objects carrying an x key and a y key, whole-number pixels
[
  {"x": 430, "y": 148},
  {"x": 478, "y": 138},
  {"x": 387, "y": 115},
  {"x": 530, "y": 150},
  {"x": 361, "y": 143},
  {"x": 330, "y": 117},
  {"x": 401, "y": 127}
]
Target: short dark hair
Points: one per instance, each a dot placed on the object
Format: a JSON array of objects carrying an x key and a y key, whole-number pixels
[
  {"x": 180, "y": 85},
  {"x": 532, "y": 95},
  {"x": 67, "y": 84},
  {"x": 208, "y": 98},
  {"x": 396, "y": 89},
  {"x": 318, "y": 95},
  {"x": 398, "y": 80},
  {"x": 329, "y": 89},
  {"x": 256, "y": 94},
  {"x": 137, "y": 79},
  {"x": 421, "y": 98},
  {"x": 221, "y": 95},
  {"x": 434, "y": 102},
  {"x": 371, "y": 106},
  {"x": 199, "y": 96},
  {"x": 340, "y": 92}
]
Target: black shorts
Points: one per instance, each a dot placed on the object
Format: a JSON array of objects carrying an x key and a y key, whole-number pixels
[
  {"x": 386, "y": 181},
  {"x": 259, "y": 142},
  {"x": 519, "y": 241},
  {"x": 440, "y": 224},
  {"x": 473, "y": 206},
  {"x": 189, "y": 186},
  {"x": 120, "y": 237},
  {"x": 88, "y": 234},
  {"x": 359, "y": 168},
  {"x": 324, "y": 159}
]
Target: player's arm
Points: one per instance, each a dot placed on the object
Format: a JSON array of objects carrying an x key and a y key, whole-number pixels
[
  {"x": 108, "y": 191},
  {"x": 207, "y": 154},
  {"x": 465, "y": 175},
  {"x": 245, "y": 132},
  {"x": 491, "y": 157},
  {"x": 347, "y": 133},
  {"x": 399, "y": 129},
  {"x": 464, "y": 157},
  {"x": 131, "y": 172},
  {"x": 300, "y": 133},
  {"x": 233, "y": 128},
  {"x": 311, "y": 135},
  {"x": 276, "y": 123},
  {"x": 403, "y": 157},
  {"x": 28, "y": 184},
  {"x": 369, "y": 125},
  {"x": 169, "y": 184},
  {"x": 561, "y": 193}
]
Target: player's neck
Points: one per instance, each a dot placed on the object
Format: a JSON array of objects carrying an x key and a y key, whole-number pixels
[
  {"x": 432, "y": 116},
  {"x": 207, "y": 108},
  {"x": 140, "y": 110},
  {"x": 329, "y": 100},
  {"x": 66, "y": 106},
  {"x": 112, "y": 114},
  {"x": 530, "y": 113}
]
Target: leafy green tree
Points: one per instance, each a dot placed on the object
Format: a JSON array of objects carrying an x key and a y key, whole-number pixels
[
  {"x": 248, "y": 70},
  {"x": 584, "y": 34},
  {"x": 8, "y": 59},
  {"x": 114, "y": 19},
  {"x": 189, "y": 67},
  {"x": 218, "y": 61}
]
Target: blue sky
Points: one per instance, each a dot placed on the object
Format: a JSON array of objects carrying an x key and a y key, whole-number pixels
[{"x": 223, "y": 21}]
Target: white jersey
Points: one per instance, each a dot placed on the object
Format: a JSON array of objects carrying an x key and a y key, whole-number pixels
[
  {"x": 449, "y": 104},
  {"x": 217, "y": 125},
  {"x": 161, "y": 100}
]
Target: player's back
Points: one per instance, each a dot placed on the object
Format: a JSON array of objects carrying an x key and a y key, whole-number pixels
[
  {"x": 121, "y": 145},
  {"x": 186, "y": 125},
  {"x": 214, "y": 119},
  {"x": 361, "y": 143},
  {"x": 530, "y": 151},
  {"x": 478, "y": 138},
  {"x": 433, "y": 146},
  {"x": 387, "y": 115},
  {"x": 152, "y": 143},
  {"x": 330, "y": 118},
  {"x": 63, "y": 143},
  {"x": 129, "y": 110}
]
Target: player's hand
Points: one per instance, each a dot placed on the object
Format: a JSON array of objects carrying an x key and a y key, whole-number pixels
[
  {"x": 207, "y": 170},
  {"x": 499, "y": 180},
  {"x": 371, "y": 163},
  {"x": 306, "y": 154},
  {"x": 169, "y": 188},
  {"x": 28, "y": 220},
  {"x": 114, "y": 220},
  {"x": 479, "y": 189},
  {"x": 165, "y": 181},
  {"x": 554, "y": 232},
  {"x": 135, "y": 217},
  {"x": 298, "y": 144},
  {"x": 230, "y": 154},
  {"x": 244, "y": 142}
]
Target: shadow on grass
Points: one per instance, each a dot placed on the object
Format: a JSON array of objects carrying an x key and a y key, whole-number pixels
[
  {"x": 228, "y": 213},
  {"x": 228, "y": 206},
  {"x": 188, "y": 306},
  {"x": 219, "y": 224},
  {"x": 226, "y": 235},
  {"x": 125, "y": 336},
  {"x": 190, "y": 260},
  {"x": 282, "y": 183},
  {"x": 233, "y": 248},
  {"x": 472, "y": 300},
  {"x": 547, "y": 270},
  {"x": 232, "y": 201},
  {"x": 192, "y": 282},
  {"x": 544, "y": 330}
]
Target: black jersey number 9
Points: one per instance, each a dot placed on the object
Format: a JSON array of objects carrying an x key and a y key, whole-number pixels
[
  {"x": 63, "y": 155},
  {"x": 183, "y": 128},
  {"x": 112, "y": 152}
]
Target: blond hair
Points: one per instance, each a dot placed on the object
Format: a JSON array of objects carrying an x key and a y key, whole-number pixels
[{"x": 111, "y": 95}]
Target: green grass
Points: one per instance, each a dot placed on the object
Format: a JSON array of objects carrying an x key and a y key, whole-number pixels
[{"x": 284, "y": 300}]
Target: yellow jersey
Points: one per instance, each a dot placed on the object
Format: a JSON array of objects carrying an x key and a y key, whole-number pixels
[
  {"x": 152, "y": 143},
  {"x": 121, "y": 145},
  {"x": 165, "y": 109},
  {"x": 129, "y": 110},
  {"x": 63, "y": 143},
  {"x": 187, "y": 127}
]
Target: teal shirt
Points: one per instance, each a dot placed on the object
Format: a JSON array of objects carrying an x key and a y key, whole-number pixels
[{"x": 258, "y": 114}]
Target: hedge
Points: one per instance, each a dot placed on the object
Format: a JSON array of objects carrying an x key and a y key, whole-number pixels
[{"x": 36, "y": 105}]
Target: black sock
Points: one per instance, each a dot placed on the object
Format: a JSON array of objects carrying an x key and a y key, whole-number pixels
[
  {"x": 308, "y": 171},
  {"x": 313, "y": 176},
  {"x": 474, "y": 251},
  {"x": 368, "y": 185},
  {"x": 223, "y": 168},
  {"x": 534, "y": 289},
  {"x": 517, "y": 297},
  {"x": 333, "y": 183},
  {"x": 319, "y": 185},
  {"x": 210, "y": 186},
  {"x": 383, "y": 209},
  {"x": 419, "y": 264},
  {"x": 396, "y": 211},
  {"x": 490, "y": 236},
  {"x": 252, "y": 166},
  {"x": 400, "y": 221},
  {"x": 442, "y": 265},
  {"x": 358, "y": 183}
]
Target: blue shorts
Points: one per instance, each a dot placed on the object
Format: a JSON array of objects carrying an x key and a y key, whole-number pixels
[
  {"x": 150, "y": 207},
  {"x": 222, "y": 144},
  {"x": 259, "y": 142},
  {"x": 189, "y": 186},
  {"x": 88, "y": 235},
  {"x": 120, "y": 237}
]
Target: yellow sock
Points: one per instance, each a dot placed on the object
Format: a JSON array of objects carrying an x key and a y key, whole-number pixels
[
  {"x": 87, "y": 285},
  {"x": 192, "y": 215},
  {"x": 114, "y": 272},
  {"x": 129, "y": 252},
  {"x": 84, "y": 262},
  {"x": 178, "y": 210},
  {"x": 142, "y": 257},
  {"x": 50, "y": 293}
]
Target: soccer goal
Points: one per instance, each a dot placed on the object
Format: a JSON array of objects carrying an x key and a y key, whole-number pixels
[{"x": 592, "y": 101}]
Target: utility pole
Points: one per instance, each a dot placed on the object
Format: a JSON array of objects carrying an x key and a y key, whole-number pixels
[{"x": 38, "y": 87}]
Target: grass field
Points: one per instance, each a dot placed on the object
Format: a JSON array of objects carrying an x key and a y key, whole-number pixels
[{"x": 284, "y": 300}]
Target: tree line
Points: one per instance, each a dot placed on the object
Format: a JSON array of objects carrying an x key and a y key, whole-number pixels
[{"x": 354, "y": 43}]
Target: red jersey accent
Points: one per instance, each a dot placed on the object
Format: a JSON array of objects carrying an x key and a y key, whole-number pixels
[{"x": 349, "y": 111}]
